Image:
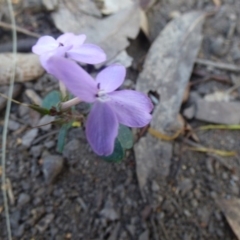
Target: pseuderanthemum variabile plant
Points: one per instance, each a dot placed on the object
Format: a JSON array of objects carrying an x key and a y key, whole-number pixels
[
  {"x": 70, "y": 46},
  {"x": 109, "y": 107}
]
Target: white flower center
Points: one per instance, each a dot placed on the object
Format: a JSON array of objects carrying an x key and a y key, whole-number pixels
[{"x": 102, "y": 96}]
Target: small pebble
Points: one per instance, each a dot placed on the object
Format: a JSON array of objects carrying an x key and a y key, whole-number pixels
[
  {"x": 13, "y": 125},
  {"x": 52, "y": 166},
  {"x": 45, "y": 122},
  {"x": 110, "y": 214},
  {"x": 23, "y": 199},
  {"x": 144, "y": 236},
  {"x": 187, "y": 213},
  {"x": 29, "y": 136}
]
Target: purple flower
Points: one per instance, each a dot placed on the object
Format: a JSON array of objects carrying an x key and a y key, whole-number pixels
[
  {"x": 68, "y": 45},
  {"x": 110, "y": 107}
]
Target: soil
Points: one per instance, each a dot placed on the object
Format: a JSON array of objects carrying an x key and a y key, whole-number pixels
[{"x": 84, "y": 197}]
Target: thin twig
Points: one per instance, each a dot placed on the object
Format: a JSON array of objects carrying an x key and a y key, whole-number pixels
[
  {"x": 41, "y": 138},
  {"x": 223, "y": 66},
  {"x": 6, "y": 120},
  {"x": 19, "y": 29},
  {"x": 216, "y": 157}
]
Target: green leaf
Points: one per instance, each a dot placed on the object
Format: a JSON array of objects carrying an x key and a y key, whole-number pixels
[
  {"x": 125, "y": 137},
  {"x": 62, "y": 136},
  {"x": 51, "y": 99},
  {"x": 117, "y": 155},
  {"x": 43, "y": 111}
]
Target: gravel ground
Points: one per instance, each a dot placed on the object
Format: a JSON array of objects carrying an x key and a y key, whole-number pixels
[{"x": 76, "y": 195}]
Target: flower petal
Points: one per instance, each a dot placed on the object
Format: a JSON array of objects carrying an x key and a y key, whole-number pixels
[
  {"x": 58, "y": 52},
  {"x": 102, "y": 128},
  {"x": 44, "y": 45},
  {"x": 131, "y": 107},
  {"x": 111, "y": 77},
  {"x": 76, "y": 80},
  {"x": 87, "y": 53},
  {"x": 71, "y": 39}
]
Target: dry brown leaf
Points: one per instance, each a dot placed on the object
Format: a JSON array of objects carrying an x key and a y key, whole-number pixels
[
  {"x": 217, "y": 3},
  {"x": 231, "y": 210},
  {"x": 169, "y": 64},
  {"x": 28, "y": 67},
  {"x": 113, "y": 6},
  {"x": 144, "y": 23},
  {"x": 50, "y": 4},
  {"x": 72, "y": 16},
  {"x": 167, "y": 70},
  {"x": 112, "y": 33},
  {"x": 146, "y": 4}
]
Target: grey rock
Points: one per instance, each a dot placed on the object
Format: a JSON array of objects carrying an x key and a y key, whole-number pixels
[
  {"x": 218, "y": 112},
  {"x": 25, "y": 185},
  {"x": 13, "y": 125},
  {"x": 209, "y": 165},
  {"x": 194, "y": 203},
  {"x": 14, "y": 219},
  {"x": 185, "y": 186},
  {"x": 204, "y": 215},
  {"x": 23, "y": 199},
  {"x": 217, "y": 46},
  {"x": 234, "y": 187},
  {"x": 45, "y": 222},
  {"x": 36, "y": 150},
  {"x": 235, "y": 51},
  {"x": 224, "y": 176},
  {"x": 52, "y": 166},
  {"x": 82, "y": 203},
  {"x": 110, "y": 214},
  {"x": 70, "y": 147},
  {"x": 213, "y": 194},
  {"x": 114, "y": 233},
  {"x": 19, "y": 232},
  {"x": 37, "y": 213},
  {"x": 37, "y": 201},
  {"x": 155, "y": 186},
  {"x": 131, "y": 229},
  {"x": 29, "y": 136},
  {"x": 23, "y": 111},
  {"x": 187, "y": 213},
  {"x": 123, "y": 235},
  {"x": 49, "y": 144},
  {"x": 189, "y": 112},
  {"x": 144, "y": 235},
  {"x": 128, "y": 84},
  {"x": 45, "y": 122}
]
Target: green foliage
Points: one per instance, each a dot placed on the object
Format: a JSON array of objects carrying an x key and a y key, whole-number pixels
[
  {"x": 125, "y": 137},
  {"x": 62, "y": 136},
  {"x": 123, "y": 141},
  {"x": 117, "y": 154},
  {"x": 52, "y": 99},
  {"x": 41, "y": 110}
]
